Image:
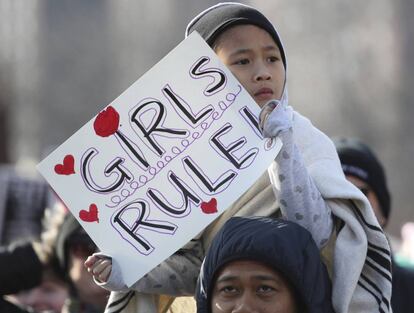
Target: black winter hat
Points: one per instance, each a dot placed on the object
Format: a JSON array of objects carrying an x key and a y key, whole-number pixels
[
  {"x": 71, "y": 233},
  {"x": 358, "y": 160},
  {"x": 215, "y": 20},
  {"x": 282, "y": 245}
]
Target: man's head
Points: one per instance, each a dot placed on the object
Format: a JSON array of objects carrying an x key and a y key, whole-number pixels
[
  {"x": 364, "y": 170},
  {"x": 245, "y": 41},
  {"x": 250, "y": 286},
  {"x": 258, "y": 264}
]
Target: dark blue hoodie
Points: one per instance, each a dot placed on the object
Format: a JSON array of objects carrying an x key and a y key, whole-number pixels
[{"x": 284, "y": 246}]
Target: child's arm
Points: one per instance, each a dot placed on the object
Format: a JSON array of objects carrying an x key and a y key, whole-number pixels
[
  {"x": 176, "y": 276},
  {"x": 300, "y": 200}
]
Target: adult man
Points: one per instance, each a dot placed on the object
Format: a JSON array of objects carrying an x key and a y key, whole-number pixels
[
  {"x": 259, "y": 264},
  {"x": 365, "y": 171}
]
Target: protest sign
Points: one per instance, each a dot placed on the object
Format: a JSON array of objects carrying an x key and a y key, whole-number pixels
[{"x": 163, "y": 160}]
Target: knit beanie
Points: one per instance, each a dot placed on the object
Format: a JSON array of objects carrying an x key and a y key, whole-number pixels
[
  {"x": 358, "y": 160},
  {"x": 215, "y": 20}
]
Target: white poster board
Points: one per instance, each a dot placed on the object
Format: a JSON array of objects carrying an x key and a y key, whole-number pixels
[{"x": 163, "y": 160}]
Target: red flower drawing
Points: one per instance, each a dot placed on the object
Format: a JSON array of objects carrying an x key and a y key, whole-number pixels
[{"x": 106, "y": 122}]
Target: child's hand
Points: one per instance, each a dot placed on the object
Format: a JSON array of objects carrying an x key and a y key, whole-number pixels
[
  {"x": 274, "y": 119},
  {"x": 100, "y": 267}
]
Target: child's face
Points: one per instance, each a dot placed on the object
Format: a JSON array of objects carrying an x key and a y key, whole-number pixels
[{"x": 253, "y": 57}]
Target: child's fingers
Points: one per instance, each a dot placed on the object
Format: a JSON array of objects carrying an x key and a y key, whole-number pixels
[
  {"x": 102, "y": 269},
  {"x": 104, "y": 275},
  {"x": 90, "y": 261},
  {"x": 100, "y": 266},
  {"x": 265, "y": 112},
  {"x": 263, "y": 119}
]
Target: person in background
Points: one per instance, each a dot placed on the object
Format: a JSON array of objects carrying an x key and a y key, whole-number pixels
[
  {"x": 47, "y": 297},
  {"x": 23, "y": 201},
  {"x": 262, "y": 264},
  {"x": 362, "y": 167},
  {"x": 21, "y": 268},
  {"x": 26, "y": 263},
  {"x": 73, "y": 246},
  {"x": 31, "y": 268}
]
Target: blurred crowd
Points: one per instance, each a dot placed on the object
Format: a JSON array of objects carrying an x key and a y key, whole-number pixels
[{"x": 43, "y": 249}]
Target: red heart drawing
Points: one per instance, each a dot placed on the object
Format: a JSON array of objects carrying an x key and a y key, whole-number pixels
[
  {"x": 209, "y": 207},
  {"x": 68, "y": 166},
  {"x": 91, "y": 215}
]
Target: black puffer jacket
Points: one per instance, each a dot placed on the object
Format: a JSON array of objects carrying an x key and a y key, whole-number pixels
[{"x": 282, "y": 245}]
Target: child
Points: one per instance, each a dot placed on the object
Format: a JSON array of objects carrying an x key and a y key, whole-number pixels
[{"x": 305, "y": 183}]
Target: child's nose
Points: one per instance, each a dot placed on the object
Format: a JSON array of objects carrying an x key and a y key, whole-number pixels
[{"x": 262, "y": 73}]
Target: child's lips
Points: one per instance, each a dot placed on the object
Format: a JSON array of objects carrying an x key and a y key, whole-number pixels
[{"x": 264, "y": 94}]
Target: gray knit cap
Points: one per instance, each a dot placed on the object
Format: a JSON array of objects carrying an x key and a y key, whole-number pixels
[{"x": 215, "y": 20}]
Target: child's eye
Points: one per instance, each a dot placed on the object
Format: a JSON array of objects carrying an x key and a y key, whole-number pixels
[
  {"x": 242, "y": 62},
  {"x": 272, "y": 59}
]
